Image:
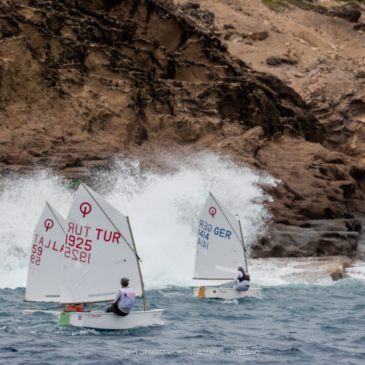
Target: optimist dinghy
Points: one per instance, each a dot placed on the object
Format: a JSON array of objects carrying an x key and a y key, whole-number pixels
[
  {"x": 45, "y": 263},
  {"x": 220, "y": 250},
  {"x": 99, "y": 250}
]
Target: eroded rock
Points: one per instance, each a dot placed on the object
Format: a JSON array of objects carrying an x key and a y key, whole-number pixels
[
  {"x": 345, "y": 12},
  {"x": 336, "y": 273},
  {"x": 89, "y": 80}
]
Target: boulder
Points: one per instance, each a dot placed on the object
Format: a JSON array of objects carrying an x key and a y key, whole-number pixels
[
  {"x": 345, "y": 12},
  {"x": 289, "y": 241},
  {"x": 234, "y": 37},
  {"x": 336, "y": 273},
  {"x": 204, "y": 18},
  {"x": 274, "y": 60},
  {"x": 290, "y": 57},
  {"x": 360, "y": 26},
  {"x": 258, "y": 36},
  {"x": 229, "y": 26}
]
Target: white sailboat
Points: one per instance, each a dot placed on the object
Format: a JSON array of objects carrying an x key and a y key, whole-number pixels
[
  {"x": 219, "y": 251},
  {"x": 45, "y": 262},
  {"x": 99, "y": 250}
]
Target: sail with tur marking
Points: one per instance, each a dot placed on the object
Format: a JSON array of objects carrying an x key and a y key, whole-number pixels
[
  {"x": 45, "y": 263},
  {"x": 219, "y": 248},
  {"x": 99, "y": 251}
]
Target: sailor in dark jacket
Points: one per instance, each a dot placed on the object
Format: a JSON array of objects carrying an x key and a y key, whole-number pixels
[{"x": 243, "y": 279}]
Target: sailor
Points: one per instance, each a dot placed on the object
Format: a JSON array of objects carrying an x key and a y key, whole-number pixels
[
  {"x": 243, "y": 279},
  {"x": 124, "y": 301},
  {"x": 73, "y": 307}
]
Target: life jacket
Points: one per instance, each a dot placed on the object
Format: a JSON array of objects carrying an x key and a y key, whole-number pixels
[
  {"x": 76, "y": 309},
  {"x": 126, "y": 300},
  {"x": 245, "y": 276}
]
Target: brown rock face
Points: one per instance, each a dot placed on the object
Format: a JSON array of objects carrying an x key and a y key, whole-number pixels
[{"x": 84, "y": 80}]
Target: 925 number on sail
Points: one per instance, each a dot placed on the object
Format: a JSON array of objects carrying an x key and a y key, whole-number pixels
[{"x": 78, "y": 249}]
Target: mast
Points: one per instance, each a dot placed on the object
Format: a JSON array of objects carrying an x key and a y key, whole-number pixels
[
  {"x": 243, "y": 245},
  {"x": 139, "y": 268}
]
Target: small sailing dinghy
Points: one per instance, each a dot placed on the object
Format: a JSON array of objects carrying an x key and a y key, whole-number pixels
[
  {"x": 45, "y": 263},
  {"x": 219, "y": 251},
  {"x": 99, "y": 250}
]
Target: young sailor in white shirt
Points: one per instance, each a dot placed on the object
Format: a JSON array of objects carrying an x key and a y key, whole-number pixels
[
  {"x": 124, "y": 301},
  {"x": 243, "y": 279}
]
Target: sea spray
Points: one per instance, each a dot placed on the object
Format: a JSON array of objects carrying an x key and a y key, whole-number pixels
[{"x": 163, "y": 209}]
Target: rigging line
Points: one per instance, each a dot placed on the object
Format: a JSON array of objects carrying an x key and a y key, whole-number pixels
[
  {"x": 226, "y": 218},
  {"x": 49, "y": 206},
  {"x": 101, "y": 306},
  {"x": 111, "y": 222}
]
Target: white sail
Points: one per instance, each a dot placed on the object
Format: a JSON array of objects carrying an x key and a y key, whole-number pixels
[
  {"x": 98, "y": 253},
  {"x": 45, "y": 263},
  {"x": 219, "y": 248}
]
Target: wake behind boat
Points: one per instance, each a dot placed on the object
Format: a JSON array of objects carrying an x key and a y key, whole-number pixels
[{"x": 219, "y": 251}]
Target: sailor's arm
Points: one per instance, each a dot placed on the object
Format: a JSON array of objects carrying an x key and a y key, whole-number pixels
[
  {"x": 237, "y": 276},
  {"x": 117, "y": 296}
]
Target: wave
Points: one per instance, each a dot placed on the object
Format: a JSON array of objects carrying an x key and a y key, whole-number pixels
[{"x": 163, "y": 209}]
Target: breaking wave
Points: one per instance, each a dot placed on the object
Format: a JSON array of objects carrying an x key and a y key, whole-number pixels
[{"x": 163, "y": 209}]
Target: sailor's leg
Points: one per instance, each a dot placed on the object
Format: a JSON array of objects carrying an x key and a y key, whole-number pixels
[
  {"x": 119, "y": 312},
  {"x": 241, "y": 287},
  {"x": 112, "y": 308}
]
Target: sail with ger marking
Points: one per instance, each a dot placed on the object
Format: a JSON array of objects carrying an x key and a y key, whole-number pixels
[
  {"x": 45, "y": 262},
  {"x": 219, "y": 248},
  {"x": 98, "y": 251}
]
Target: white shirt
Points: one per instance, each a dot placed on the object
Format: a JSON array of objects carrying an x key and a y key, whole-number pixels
[
  {"x": 126, "y": 298},
  {"x": 239, "y": 275}
]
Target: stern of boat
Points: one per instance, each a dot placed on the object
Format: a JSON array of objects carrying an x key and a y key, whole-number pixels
[{"x": 209, "y": 292}]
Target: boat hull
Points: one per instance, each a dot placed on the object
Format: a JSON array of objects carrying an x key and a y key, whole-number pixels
[
  {"x": 111, "y": 321},
  {"x": 225, "y": 293}
]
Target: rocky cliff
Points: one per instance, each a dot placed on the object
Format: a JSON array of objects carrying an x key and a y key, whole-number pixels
[{"x": 83, "y": 80}]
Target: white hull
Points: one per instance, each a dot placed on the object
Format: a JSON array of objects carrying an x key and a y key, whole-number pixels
[
  {"x": 111, "y": 321},
  {"x": 227, "y": 293}
]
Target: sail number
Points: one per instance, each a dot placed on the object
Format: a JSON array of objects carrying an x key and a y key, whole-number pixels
[
  {"x": 203, "y": 234},
  {"x": 204, "y": 231},
  {"x": 39, "y": 245},
  {"x": 78, "y": 248}
]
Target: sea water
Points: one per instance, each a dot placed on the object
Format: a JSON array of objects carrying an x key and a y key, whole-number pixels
[{"x": 300, "y": 317}]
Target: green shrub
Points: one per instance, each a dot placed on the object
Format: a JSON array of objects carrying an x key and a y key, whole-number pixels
[{"x": 276, "y": 5}]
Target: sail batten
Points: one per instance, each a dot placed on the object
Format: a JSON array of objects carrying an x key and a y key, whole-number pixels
[
  {"x": 96, "y": 255},
  {"x": 45, "y": 262},
  {"x": 219, "y": 248}
]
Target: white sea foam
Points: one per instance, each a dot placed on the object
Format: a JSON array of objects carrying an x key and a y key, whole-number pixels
[
  {"x": 163, "y": 209},
  {"x": 233, "y": 301}
]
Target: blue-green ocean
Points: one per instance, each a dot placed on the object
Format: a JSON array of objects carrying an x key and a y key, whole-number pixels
[{"x": 291, "y": 324}]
